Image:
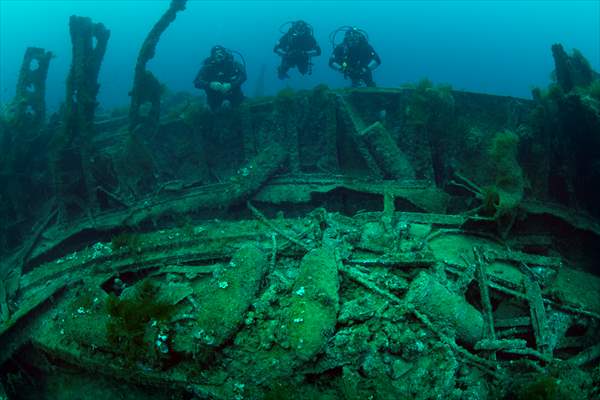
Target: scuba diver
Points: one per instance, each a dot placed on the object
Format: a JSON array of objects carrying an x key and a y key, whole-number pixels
[
  {"x": 354, "y": 57},
  {"x": 296, "y": 47},
  {"x": 221, "y": 77}
]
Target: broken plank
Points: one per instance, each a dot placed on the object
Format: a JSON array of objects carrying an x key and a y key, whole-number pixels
[
  {"x": 538, "y": 314},
  {"x": 500, "y": 344}
]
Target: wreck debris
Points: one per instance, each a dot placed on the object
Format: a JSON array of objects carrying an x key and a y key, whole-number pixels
[
  {"x": 20, "y": 125},
  {"x": 12, "y": 268},
  {"x": 240, "y": 186},
  {"x": 300, "y": 188},
  {"x": 283, "y": 234},
  {"x": 146, "y": 88},
  {"x": 386, "y": 153},
  {"x": 566, "y": 116},
  {"x": 487, "y": 366},
  {"x": 325, "y": 103},
  {"x": 588, "y": 355},
  {"x": 501, "y": 199},
  {"x": 571, "y": 71},
  {"x": 72, "y": 153},
  {"x": 31, "y": 88},
  {"x": 258, "y": 300},
  {"x": 537, "y": 312},
  {"x": 137, "y": 162},
  {"x": 356, "y": 126},
  {"x": 236, "y": 191},
  {"x": 249, "y": 144},
  {"x": 430, "y": 306},
  {"x": 24, "y": 323},
  {"x": 4, "y": 311},
  {"x": 224, "y": 299},
  {"x": 314, "y": 304},
  {"x": 446, "y": 308},
  {"x": 362, "y": 279},
  {"x": 509, "y": 183},
  {"x": 500, "y": 344},
  {"x": 482, "y": 281},
  {"x": 287, "y": 126}
]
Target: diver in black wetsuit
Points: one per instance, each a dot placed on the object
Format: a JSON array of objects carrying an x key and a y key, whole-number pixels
[
  {"x": 354, "y": 57},
  {"x": 221, "y": 77},
  {"x": 296, "y": 47}
]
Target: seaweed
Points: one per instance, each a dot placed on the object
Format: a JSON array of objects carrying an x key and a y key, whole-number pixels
[
  {"x": 595, "y": 394},
  {"x": 126, "y": 240},
  {"x": 285, "y": 95},
  {"x": 490, "y": 199},
  {"x": 503, "y": 152},
  {"x": 506, "y": 193},
  {"x": 431, "y": 113},
  {"x": 280, "y": 390},
  {"x": 85, "y": 300},
  {"x": 571, "y": 71},
  {"x": 594, "y": 90},
  {"x": 430, "y": 105},
  {"x": 542, "y": 388},
  {"x": 132, "y": 318}
]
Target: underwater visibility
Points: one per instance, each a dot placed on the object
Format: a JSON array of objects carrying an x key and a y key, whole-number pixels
[{"x": 354, "y": 240}]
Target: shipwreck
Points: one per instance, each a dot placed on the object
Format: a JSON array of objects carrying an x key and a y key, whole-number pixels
[{"x": 414, "y": 242}]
